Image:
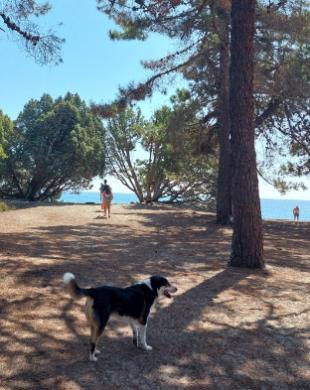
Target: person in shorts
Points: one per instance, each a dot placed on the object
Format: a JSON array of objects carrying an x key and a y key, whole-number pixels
[
  {"x": 296, "y": 214},
  {"x": 106, "y": 198}
]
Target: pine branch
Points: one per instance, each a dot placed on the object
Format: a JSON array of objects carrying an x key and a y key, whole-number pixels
[
  {"x": 34, "y": 39},
  {"x": 138, "y": 93},
  {"x": 270, "y": 110}
]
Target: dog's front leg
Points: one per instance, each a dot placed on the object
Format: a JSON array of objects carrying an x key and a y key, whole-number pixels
[{"x": 142, "y": 334}]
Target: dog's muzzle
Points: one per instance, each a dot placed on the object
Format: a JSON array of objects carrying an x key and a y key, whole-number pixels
[{"x": 169, "y": 290}]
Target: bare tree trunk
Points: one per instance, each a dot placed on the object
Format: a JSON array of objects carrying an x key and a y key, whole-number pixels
[
  {"x": 223, "y": 198},
  {"x": 247, "y": 241}
]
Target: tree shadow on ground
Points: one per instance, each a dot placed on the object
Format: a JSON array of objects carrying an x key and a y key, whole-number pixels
[
  {"x": 286, "y": 245},
  {"x": 222, "y": 331}
]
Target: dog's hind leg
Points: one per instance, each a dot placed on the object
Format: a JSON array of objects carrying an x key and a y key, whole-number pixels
[
  {"x": 93, "y": 322},
  {"x": 96, "y": 329},
  {"x": 94, "y": 337}
]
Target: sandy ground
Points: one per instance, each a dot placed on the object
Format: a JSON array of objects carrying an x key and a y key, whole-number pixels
[{"x": 225, "y": 328}]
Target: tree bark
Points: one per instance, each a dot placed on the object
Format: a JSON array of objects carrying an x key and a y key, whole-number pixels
[
  {"x": 223, "y": 198},
  {"x": 247, "y": 241}
]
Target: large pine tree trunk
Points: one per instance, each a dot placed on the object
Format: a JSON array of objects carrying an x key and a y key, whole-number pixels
[
  {"x": 247, "y": 241},
  {"x": 223, "y": 198}
]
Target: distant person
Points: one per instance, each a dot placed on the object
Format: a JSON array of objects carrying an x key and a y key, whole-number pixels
[
  {"x": 104, "y": 185},
  {"x": 106, "y": 198},
  {"x": 296, "y": 214}
]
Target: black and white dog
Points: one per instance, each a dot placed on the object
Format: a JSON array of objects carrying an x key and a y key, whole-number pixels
[{"x": 132, "y": 303}]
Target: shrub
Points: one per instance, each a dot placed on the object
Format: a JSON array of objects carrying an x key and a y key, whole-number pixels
[{"x": 4, "y": 207}]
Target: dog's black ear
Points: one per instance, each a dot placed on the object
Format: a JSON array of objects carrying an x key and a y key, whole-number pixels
[{"x": 158, "y": 281}]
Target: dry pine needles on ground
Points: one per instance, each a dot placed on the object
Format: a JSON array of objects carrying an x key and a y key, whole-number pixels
[{"x": 225, "y": 329}]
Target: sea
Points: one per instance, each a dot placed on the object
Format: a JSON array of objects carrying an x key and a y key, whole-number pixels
[{"x": 271, "y": 208}]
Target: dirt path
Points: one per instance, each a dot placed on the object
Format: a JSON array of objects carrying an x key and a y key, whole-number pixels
[{"x": 225, "y": 328}]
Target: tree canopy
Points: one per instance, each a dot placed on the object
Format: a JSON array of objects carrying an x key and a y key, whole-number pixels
[
  {"x": 172, "y": 167},
  {"x": 6, "y": 129},
  {"x": 201, "y": 29},
  {"x": 219, "y": 41},
  {"x": 56, "y": 145}
]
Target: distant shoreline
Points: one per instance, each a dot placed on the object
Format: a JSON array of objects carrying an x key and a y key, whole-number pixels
[{"x": 272, "y": 209}]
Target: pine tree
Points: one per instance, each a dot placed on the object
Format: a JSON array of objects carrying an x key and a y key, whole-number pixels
[
  {"x": 200, "y": 27},
  {"x": 203, "y": 31},
  {"x": 247, "y": 242}
]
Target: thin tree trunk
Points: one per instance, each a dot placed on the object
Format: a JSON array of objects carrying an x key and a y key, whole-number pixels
[
  {"x": 247, "y": 241},
  {"x": 223, "y": 198}
]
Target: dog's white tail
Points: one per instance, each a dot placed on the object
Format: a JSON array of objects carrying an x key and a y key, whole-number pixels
[
  {"x": 68, "y": 276},
  {"x": 74, "y": 290}
]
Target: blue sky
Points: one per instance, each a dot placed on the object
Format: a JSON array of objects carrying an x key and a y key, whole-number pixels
[{"x": 94, "y": 66}]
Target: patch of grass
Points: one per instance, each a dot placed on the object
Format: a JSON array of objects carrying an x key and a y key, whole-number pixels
[{"x": 4, "y": 207}]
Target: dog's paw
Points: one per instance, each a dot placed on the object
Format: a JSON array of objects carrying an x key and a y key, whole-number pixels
[
  {"x": 92, "y": 357},
  {"x": 97, "y": 351},
  {"x": 147, "y": 348}
]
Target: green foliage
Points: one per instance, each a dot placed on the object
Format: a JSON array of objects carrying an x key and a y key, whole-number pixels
[
  {"x": 287, "y": 132},
  {"x": 191, "y": 169},
  {"x": 171, "y": 167},
  {"x": 281, "y": 65},
  {"x": 56, "y": 145},
  {"x": 6, "y": 129},
  {"x": 4, "y": 207}
]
